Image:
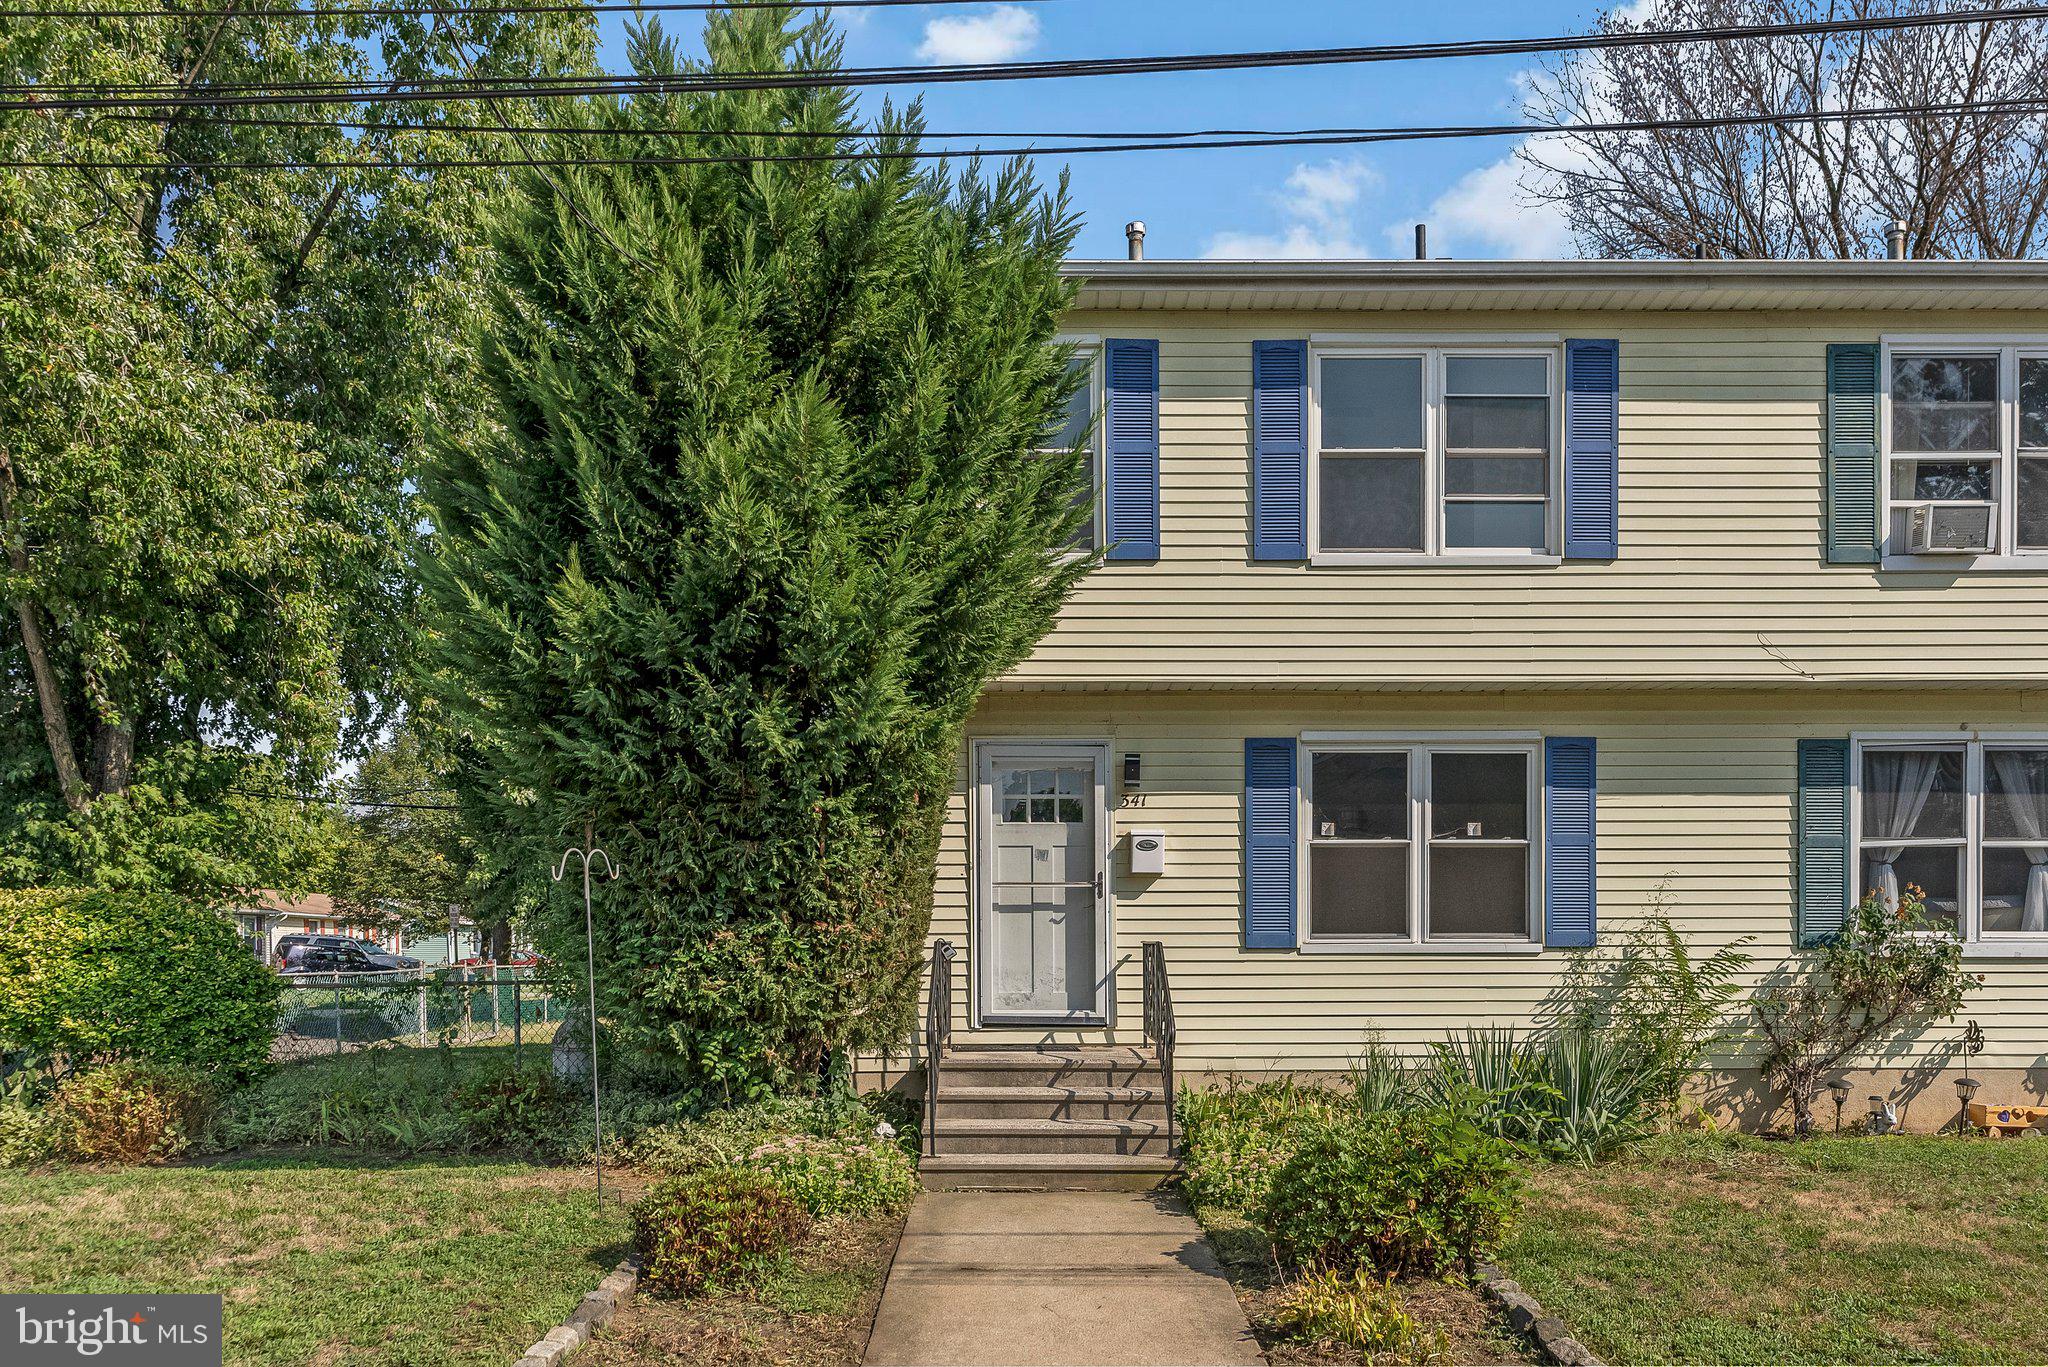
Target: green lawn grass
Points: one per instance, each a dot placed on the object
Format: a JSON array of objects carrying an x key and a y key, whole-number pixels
[
  {"x": 1725, "y": 1250},
  {"x": 326, "y": 1258}
]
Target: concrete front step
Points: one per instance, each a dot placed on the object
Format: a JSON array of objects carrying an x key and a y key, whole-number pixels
[
  {"x": 1051, "y": 1103},
  {"x": 1119, "y": 1066},
  {"x": 1051, "y": 1136},
  {"x": 1045, "y": 1172}
]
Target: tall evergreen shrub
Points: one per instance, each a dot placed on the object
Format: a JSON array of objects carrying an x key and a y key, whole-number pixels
[{"x": 759, "y": 515}]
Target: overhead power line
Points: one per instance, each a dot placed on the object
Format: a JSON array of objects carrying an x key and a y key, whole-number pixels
[
  {"x": 1170, "y": 143},
  {"x": 464, "y": 11},
  {"x": 330, "y": 800},
  {"x": 452, "y": 88}
]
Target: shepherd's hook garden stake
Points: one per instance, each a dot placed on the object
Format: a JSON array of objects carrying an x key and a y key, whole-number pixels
[{"x": 587, "y": 853}]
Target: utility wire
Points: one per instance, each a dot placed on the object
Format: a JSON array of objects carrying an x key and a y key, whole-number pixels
[
  {"x": 450, "y": 88},
  {"x": 345, "y": 801},
  {"x": 466, "y": 11},
  {"x": 824, "y": 135},
  {"x": 2034, "y": 105}
]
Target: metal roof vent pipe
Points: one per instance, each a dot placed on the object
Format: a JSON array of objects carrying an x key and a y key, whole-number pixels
[
  {"x": 1895, "y": 240},
  {"x": 1134, "y": 234},
  {"x": 1422, "y": 242}
]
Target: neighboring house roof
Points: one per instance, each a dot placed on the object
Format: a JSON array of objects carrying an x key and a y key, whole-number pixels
[
  {"x": 1536, "y": 285},
  {"x": 279, "y": 904}
]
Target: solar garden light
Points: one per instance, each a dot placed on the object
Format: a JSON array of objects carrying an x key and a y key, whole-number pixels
[
  {"x": 1966, "y": 1089},
  {"x": 1875, "y": 1122},
  {"x": 1839, "y": 1090}
]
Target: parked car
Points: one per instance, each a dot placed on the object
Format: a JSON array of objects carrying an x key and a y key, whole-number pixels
[
  {"x": 337, "y": 954},
  {"x": 516, "y": 961}
]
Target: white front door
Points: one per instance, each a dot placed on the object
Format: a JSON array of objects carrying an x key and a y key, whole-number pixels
[{"x": 1043, "y": 920}]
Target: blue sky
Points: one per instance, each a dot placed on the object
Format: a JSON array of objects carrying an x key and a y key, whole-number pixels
[{"x": 1299, "y": 202}]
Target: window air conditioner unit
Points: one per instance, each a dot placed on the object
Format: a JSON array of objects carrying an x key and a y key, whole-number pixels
[{"x": 1948, "y": 528}]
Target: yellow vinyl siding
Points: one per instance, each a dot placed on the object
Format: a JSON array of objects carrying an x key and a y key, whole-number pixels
[
  {"x": 1695, "y": 794},
  {"x": 1721, "y": 579}
]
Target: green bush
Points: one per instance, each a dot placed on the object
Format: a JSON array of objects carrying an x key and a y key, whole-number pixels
[
  {"x": 714, "y": 1228},
  {"x": 1890, "y": 972},
  {"x": 130, "y": 1113},
  {"x": 92, "y": 977},
  {"x": 1657, "y": 996},
  {"x": 1359, "y": 1311},
  {"x": 1577, "y": 1094},
  {"x": 29, "y": 1136},
  {"x": 406, "y": 1101},
  {"x": 1420, "y": 1191},
  {"x": 505, "y": 1108},
  {"x": 839, "y": 1176},
  {"x": 722, "y": 1138},
  {"x": 1235, "y": 1138}
]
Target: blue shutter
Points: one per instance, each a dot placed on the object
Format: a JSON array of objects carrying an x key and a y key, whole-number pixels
[
  {"x": 1592, "y": 449},
  {"x": 1570, "y": 851},
  {"x": 1823, "y": 839},
  {"x": 1852, "y": 454},
  {"x": 1269, "y": 861},
  {"x": 1130, "y": 479},
  {"x": 1280, "y": 451}
]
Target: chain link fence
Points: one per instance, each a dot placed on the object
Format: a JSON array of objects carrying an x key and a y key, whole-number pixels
[{"x": 324, "y": 1014}]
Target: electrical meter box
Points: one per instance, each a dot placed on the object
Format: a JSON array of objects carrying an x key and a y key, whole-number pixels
[{"x": 1148, "y": 851}]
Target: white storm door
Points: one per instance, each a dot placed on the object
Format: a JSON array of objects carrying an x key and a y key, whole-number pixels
[{"x": 1043, "y": 919}]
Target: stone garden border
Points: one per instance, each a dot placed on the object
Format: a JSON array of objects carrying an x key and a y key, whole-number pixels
[
  {"x": 593, "y": 1314},
  {"x": 1552, "y": 1338}
]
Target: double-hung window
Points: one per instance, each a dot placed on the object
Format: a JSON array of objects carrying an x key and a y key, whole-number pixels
[
  {"x": 1966, "y": 440},
  {"x": 1078, "y": 427},
  {"x": 1965, "y": 822},
  {"x": 1434, "y": 451},
  {"x": 1412, "y": 844}
]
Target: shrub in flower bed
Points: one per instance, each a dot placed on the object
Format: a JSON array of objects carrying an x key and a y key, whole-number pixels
[
  {"x": 838, "y": 1176},
  {"x": 724, "y": 1137},
  {"x": 129, "y": 1113},
  {"x": 1359, "y": 1311},
  {"x": 714, "y": 1228},
  {"x": 1402, "y": 1192},
  {"x": 1236, "y": 1138}
]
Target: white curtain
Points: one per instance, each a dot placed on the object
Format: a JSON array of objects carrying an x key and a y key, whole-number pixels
[
  {"x": 2027, "y": 804},
  {"x": 1896, "y": 786}
]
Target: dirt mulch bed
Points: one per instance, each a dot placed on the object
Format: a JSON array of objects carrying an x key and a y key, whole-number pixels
[
  {"x": 1476, "y": 1335},
  {"x": 816, "y": 1312}
]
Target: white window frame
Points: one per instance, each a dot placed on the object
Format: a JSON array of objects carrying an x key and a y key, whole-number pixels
[
  {"x": 1435, "y": 355},
  {"x": 2006, "y": 554},
  {"x": 1969, "y": 893},
  {"x": 1091, "y": 348},
  {"x": 1420, "y": 749}
]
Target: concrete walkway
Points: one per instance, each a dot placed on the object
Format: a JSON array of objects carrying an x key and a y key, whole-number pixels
[{"x": 1066, "y": 1278}]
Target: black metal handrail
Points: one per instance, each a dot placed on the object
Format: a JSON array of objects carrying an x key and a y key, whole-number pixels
[
  {"x": 938, "y": 1028},
  {"x": 1159, "y": 1029}
]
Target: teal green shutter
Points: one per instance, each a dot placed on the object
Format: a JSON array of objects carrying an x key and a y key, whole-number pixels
[
  {"x": 1571, "y": 863},
  {"x": 1269, "y": 857},
  {"x": 1592, "y": 449},
  {"x": 1853, "y": 535},
  {"x": 1280, "y": 450},
  {"x": 1823, "y": 839},
  {"x": 1130, "y": 480}
]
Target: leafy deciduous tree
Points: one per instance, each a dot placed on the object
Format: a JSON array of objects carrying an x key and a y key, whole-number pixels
[{"x": 212, "y": 384}]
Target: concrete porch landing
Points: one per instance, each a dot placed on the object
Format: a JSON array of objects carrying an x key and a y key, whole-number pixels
[{"x": 1057, "y": 1279}]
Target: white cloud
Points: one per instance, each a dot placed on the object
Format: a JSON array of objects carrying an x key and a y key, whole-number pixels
[
  {"x": 1004, "y": 32},
  {"x": 1319, "y": 202},
  {"x": 1487, "y": 213}
]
